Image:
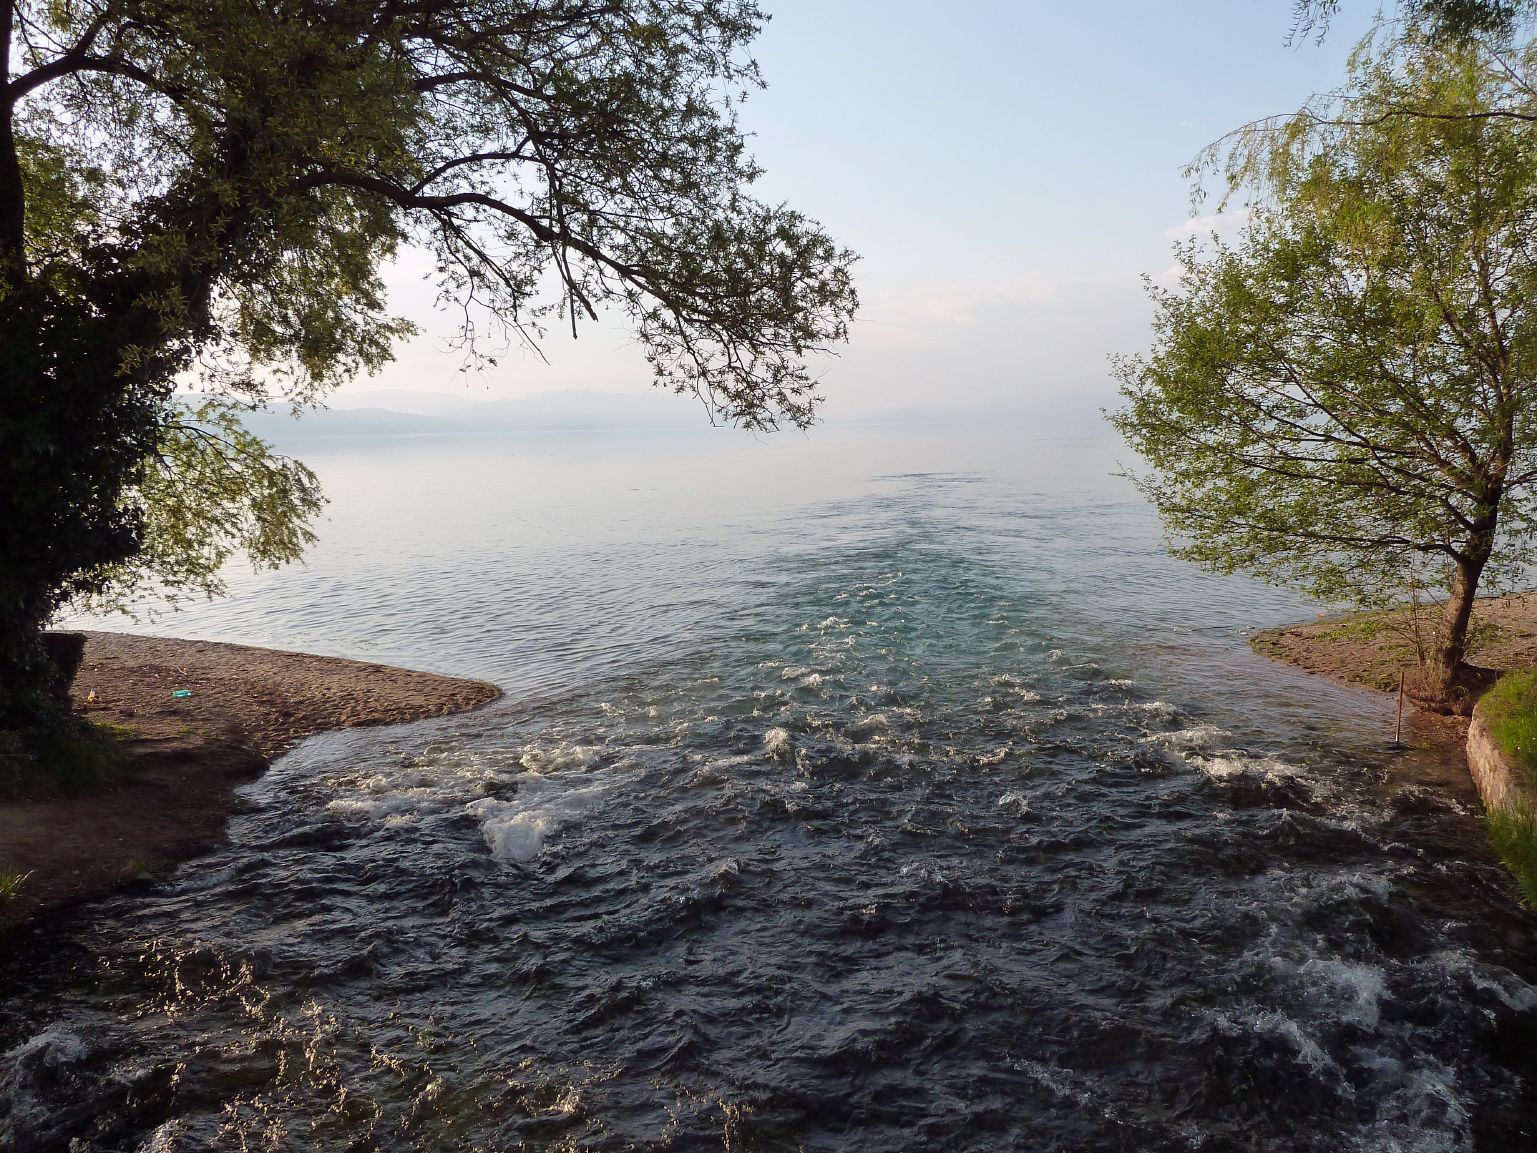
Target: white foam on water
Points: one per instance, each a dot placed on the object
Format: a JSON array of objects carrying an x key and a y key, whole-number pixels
[
  {"x": 27, "y": 1072},
  {"x": 1422, "y": 1112},
  {"x": 558, "y": 758},
  {"x": 868, "y": 726},
  {"x": 1357, "y": 990},
  {"x": 803, "y": 677},
  {"x": 1307, "y": 1051},
  {"x": 1197, "y": 738},
  {"x": 1507, "y": 988},
  {"x": 1226, "y": 766},
  {"x": 1221, "y": 767},
  {"x": 384, "y": 806},
  {"x": 516, "y": 829},
  {"x": 777, "y": 743},
  {"x": 51, "y": 1048}
]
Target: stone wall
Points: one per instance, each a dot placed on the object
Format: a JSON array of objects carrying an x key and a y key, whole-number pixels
[{"x": 1499, "y": 781}]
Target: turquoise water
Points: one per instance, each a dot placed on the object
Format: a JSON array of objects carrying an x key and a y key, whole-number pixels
[{"x": 885, "y": 789}]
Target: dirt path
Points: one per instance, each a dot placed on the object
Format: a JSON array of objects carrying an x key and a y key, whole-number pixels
[{"x": 186, "y": 755}]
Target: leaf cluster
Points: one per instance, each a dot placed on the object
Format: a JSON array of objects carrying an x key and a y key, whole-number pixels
[{"x": 207, "y": 189}]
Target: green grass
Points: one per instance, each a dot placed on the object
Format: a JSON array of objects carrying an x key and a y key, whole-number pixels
[
  {"x": 1513, "y": 833},
  {"x": 1510, "y": 711},
  {"x": 10, "y": 885},
  {"x": 61, "y": 764},
  {"x": 144, "y": 869}
]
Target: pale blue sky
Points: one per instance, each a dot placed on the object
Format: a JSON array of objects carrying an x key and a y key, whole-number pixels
[{"x": 1007, "y": 171}]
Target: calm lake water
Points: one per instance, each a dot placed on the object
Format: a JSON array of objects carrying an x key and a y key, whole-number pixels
[{"x": 886, "y": 789}]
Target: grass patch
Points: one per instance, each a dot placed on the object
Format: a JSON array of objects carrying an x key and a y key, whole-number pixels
[
  {"x": 1513, "y": 833},
  {"x": 1361, "y": 627},
  {"x": 1510, "y": 711},
  {"x": 10, "y": 885},
  {"x": 145, "y": 869},
  {"x": 68, "y": 763}
]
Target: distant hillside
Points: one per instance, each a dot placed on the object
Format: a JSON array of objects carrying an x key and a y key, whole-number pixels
[{"x": 571, "y": 409}]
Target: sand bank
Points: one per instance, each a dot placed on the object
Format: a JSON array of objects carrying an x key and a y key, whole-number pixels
[
  {"x": 186, "y": 755},
  {"x": 1370, "y": 650}
]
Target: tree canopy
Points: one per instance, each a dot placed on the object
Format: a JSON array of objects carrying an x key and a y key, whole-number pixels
[
  {"x": 1454, "y": 19},
  {"x": 1342, "y": 398},
  {"x": 206, "y": 190}
]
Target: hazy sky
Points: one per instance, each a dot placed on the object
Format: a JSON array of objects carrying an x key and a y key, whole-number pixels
[{"x": 1007, "y": 171}]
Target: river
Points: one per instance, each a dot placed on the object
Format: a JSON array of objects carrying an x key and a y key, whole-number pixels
[{"x": 885, "y": 789}]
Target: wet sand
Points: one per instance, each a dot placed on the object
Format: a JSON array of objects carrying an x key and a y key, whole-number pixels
[{"x": 185, "y": 756}]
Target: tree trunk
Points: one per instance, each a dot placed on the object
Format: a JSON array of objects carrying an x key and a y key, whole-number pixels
[{"x": 1452, "y": 649}]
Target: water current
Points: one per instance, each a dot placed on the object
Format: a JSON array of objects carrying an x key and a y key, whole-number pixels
[{"x": 886, "y": 790}]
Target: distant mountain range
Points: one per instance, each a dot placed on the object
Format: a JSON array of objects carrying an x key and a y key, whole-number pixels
[
  {"x": 401, "y": 413},
  {"x": 395, "y": 413}
]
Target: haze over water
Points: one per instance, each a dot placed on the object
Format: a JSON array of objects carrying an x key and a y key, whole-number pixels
[{"x": 887, "y": 788}]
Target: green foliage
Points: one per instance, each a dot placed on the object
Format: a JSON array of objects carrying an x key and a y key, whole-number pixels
[
  {"x": 210, "y": 489},
  {"x": 1456, "y": 19},
  {"x": 1513, "y": 835},
  {"x": 1341, "y": 399},
  {"x": 10, "y": 885},
  {"x": 1510, "y": 711},
  {"x": 204, "y": 191}
]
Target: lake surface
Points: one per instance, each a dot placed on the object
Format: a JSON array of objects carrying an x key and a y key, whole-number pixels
[{"x": 886, "y": 789}]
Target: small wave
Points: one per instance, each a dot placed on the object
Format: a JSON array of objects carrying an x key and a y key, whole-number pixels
[
  {"x": 776, "y": 742},
  {"x": 1016, "y": 801},
  {"x": 1226, "y": 766},
  {"x": 561, "y": 757},
  {"x": 1197, "y": 738},
  {"x": 516, "y": 829}
]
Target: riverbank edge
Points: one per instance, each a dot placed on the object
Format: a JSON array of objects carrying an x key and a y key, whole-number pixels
[
  {"x": 183, "y": 756},
  {"x": 1368, "y": 651},
  {"x": 1499, "y": 781}
]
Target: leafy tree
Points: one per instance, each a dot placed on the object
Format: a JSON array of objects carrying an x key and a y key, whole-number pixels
[
  {"x": 204, "y": 190},
  {"x": 1343, "y": 398},
  {"x": 1457, "y": 19}
]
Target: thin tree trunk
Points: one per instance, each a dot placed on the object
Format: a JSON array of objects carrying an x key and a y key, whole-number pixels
[
  {"x": 1452, "y": 651},
  {"x": 13, "y": 200}
]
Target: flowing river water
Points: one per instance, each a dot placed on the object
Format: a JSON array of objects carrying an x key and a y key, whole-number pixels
[{"x": 883, "y": 790}]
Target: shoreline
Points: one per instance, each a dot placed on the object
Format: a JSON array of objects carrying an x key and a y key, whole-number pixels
[
  {"x": 1367, "y": 650},
  {"x": 184, "y": 757}
]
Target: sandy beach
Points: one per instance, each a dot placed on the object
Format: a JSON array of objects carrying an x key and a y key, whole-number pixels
[{"x": 184, "y": 756}]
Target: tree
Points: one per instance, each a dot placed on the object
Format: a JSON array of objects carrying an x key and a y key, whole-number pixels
[
  {"x": 1343, "y": 397},
  {"x": 205, "y": 190},
  {"x": 1456, "y": 19}
]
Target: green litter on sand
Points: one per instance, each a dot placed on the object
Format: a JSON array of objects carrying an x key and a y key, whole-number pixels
[{"x": 181, "y": 692}]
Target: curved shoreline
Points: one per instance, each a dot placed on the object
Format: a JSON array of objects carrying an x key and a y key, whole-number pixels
[{"x": 185, "y": 756}]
